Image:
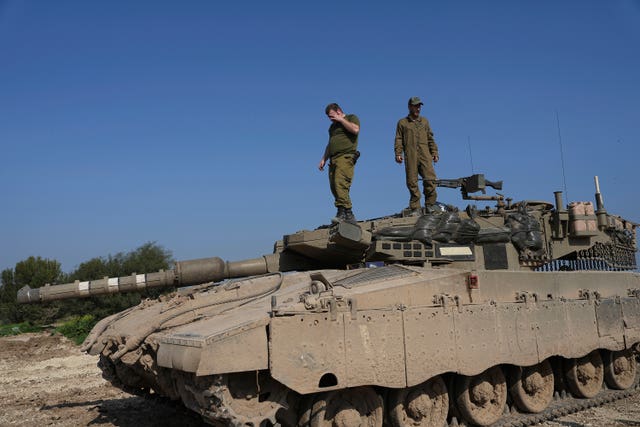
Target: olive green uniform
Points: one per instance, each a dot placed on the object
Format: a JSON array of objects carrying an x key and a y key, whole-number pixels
[
  {"x": 415, "y": 139},
  {"x": 341, "y": 149}
]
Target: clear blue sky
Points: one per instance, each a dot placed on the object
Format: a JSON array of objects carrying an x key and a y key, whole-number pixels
[{"x": 200, "y": 124}]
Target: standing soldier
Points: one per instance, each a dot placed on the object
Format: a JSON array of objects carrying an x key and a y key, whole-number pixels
[
  {"x": 414, "y": 138},
  {"x": 342, "y": 150}
]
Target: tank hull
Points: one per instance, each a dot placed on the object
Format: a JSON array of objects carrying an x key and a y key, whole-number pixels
[{"x": 386, "y": 329}]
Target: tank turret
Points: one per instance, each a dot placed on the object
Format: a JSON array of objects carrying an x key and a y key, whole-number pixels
[{"x": 538, "y": 235}]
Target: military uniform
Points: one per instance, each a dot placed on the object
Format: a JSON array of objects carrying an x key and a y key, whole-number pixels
[
  {"x": 342, "y": 149},
  {"x": 415, "y": 138}
]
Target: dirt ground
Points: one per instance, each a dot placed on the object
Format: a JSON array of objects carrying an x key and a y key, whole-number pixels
[{"x": 46, "y": 381}]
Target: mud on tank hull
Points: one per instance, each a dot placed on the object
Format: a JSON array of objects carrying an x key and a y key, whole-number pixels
[{"x": 398, "y": 345}]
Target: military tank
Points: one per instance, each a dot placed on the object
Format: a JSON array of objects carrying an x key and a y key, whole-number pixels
[{"x": 505, "y": 315}]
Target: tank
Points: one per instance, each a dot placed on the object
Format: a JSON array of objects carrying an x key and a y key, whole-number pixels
[{"x": 501, "y": 315}]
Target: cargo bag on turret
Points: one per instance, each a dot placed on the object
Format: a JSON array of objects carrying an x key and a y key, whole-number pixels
[
  {"x": 494, "y": 235},
  {"x": 525, "y": 230}
]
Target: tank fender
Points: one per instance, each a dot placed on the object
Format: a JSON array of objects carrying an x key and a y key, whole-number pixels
[
  {"x": 240, "y": 349},
  {"x": 404, "y": 346},
  {"x": 610, "y": 324},
  {"x": 631, "y": 318},
  {"x": 338, "y": 351}
]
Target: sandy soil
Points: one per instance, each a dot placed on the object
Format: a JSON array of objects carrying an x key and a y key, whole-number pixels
[{"x": 46, "y": 381}]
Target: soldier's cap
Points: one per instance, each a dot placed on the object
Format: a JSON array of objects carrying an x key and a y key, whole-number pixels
[{"x": 415, "y": 101}]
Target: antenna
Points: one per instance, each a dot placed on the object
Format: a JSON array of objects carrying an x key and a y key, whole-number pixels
[
  {"x": 470, "y": 156},
  {"x": 564, "y": 178}
]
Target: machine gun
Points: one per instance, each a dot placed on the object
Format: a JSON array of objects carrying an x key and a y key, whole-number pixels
[{"x": 472, "y": 184}]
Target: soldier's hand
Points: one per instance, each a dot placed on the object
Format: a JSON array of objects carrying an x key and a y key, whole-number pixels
[
  {"x": 436, "y": 158},
  {"x": 335, "y": 116},
  {"x": 399, "y": 158},
  {"x": 321, "y": 165}
]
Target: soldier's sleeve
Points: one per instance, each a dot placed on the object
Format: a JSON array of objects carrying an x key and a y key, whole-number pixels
[
  {"x": 433, "y": 147},
  {"x": 353, "y": 119},
  {"x": 397, "y": 146}
]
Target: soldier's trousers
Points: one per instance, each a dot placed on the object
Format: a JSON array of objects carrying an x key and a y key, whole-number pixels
[
  {"x": 419, "y": 161},
  {"x": 340, "y": 177}
]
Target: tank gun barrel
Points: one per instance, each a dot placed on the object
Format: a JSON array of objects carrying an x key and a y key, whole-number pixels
[{"x": 184, "y": 273}]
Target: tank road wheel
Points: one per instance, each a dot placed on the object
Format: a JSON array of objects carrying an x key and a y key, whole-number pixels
[
  {"x": 532, "y": 387},
  {"x": 584, "y": 375},
  {"x": 424, "y": 405},
  {"x": 481, "y": 399},
  {"x": 620, "y": 369},
  {"x": 360, "y": 406}
]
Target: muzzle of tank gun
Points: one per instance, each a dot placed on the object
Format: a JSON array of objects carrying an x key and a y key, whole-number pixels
[{"x": 185, "y": 273}]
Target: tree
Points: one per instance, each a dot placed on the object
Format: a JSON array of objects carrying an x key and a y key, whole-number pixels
[
  {"x": 147, "y": 258},
  {"x": 35, "y": 272},
  {"x": 6, "y": 278}
]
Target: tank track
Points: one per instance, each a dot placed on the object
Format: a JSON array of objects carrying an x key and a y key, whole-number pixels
[
  {"x": 232, "y": 400},
  {"x": 221, "y": 400},
  {"x": 225, "y": 400},
  {"x": 562, "y": 405}
]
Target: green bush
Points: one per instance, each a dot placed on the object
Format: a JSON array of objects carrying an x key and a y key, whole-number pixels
[
  {"x": 18, "y": 328},
  {"x": 77, "y": 328}
]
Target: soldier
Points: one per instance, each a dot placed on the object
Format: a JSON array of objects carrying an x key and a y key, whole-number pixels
[
  {"x": 414, "y": 138},
  {"x": 342, "y": 150}
]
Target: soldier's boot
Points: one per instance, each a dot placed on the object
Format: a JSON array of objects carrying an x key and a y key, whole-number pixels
[
  {"x": 341, "y": 215},
  {"x": 429, "y": 209},
  {"x": 349, "y": 216},
  {"x": 412, "y": 212}
]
